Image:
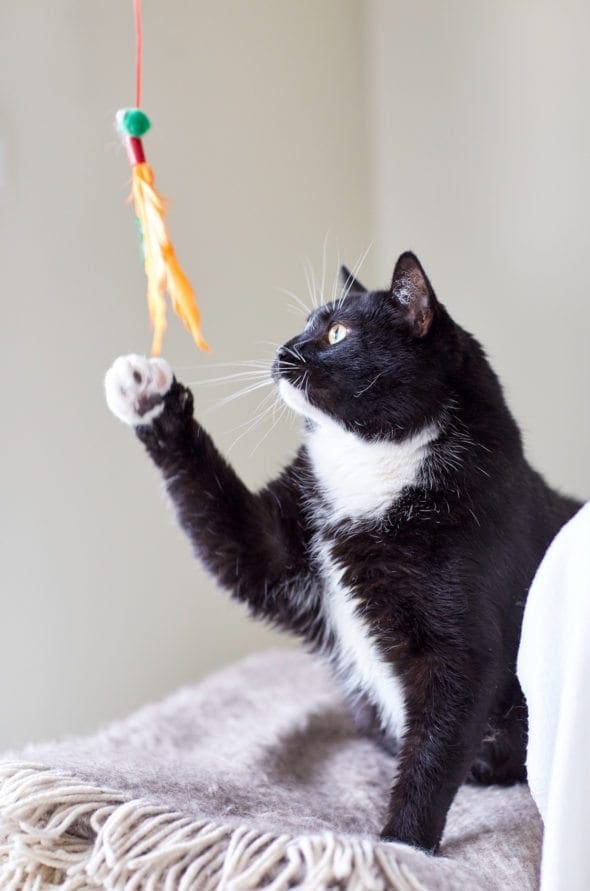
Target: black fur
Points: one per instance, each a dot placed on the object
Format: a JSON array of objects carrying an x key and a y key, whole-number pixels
[{"x": 441, "y": 579}]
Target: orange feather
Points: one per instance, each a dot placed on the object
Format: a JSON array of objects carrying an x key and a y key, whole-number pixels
[{"x": 163, "y": 271}]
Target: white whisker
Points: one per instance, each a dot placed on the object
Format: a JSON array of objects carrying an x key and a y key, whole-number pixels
[
  {"x": 251, "y": 389},
  {"x": 336, "y": 282},
  {"x": 301, "y": 303},
  {"x": 310, "y": 279},
  {"x": 230, "y": 378},
  {"x": 280, "y": 415},
  {"x": 264, "y": 404},
  {"x": 253, "y": 422},
  {"x": 374, "y": 381},
  {"x": 324, "y": 258},
  {"x": 353, "y": 275},
  {"x": 235, "y": 364}
]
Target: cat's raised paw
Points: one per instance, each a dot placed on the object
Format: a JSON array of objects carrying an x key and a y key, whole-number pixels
[{"x": 135, "y": 387}]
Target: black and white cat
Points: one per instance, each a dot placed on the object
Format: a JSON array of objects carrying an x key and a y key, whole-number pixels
[{"x": 400, "y": 542}]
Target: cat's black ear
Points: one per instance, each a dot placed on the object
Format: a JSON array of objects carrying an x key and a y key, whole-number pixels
[
  {"x": 413, "y": 293},
  {"x": 349, "y": 283}
]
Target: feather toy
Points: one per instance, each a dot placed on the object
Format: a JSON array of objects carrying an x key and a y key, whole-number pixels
[{"x": 163, "y": 271}]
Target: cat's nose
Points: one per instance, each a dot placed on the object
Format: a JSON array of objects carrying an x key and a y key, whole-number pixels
[
  {"x": 277, "y": 366},
  {"x": 282, "y": 354}
]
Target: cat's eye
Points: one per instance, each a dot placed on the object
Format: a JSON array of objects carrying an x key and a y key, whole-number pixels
[{"x": 336, "y": 333}]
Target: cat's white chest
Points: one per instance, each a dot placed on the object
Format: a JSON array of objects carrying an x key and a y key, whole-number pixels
[
  {"x": 359, "y": 662},
  {"x": 361, "y": 479}
]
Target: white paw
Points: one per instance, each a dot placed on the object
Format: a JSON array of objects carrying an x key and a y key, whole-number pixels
[{"x": 135, "y": 388}]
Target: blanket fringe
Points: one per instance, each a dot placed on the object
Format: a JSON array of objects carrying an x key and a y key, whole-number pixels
[{"x": 57, "y": 832}]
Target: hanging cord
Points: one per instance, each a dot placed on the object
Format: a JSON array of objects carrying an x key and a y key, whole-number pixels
[{"x": 138, "y": 51}]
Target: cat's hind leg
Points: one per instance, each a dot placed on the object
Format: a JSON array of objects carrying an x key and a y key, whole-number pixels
[
  {"x": 135, "y": 388},
  {"x": 501, "y": 758},
  {"x": 500, "y": 761}
]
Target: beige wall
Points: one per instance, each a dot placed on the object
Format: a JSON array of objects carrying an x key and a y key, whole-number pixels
[
  {"x": 275, "y": 122},
  {"x": 482, "y": 165},
  {"x": 260, "y": 138}
]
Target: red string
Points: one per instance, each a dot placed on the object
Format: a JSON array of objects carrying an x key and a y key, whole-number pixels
[{"x": 138, "y": 51}]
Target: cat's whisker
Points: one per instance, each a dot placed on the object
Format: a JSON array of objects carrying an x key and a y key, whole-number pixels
[
  {"x": 278, "y": 418},
  {"x": 314, "y": 284},
  {"x": 306, "y": 376},
  {"x": 354, "y": 274},
  {"x": 336, "y": 281},
  {"x": 237, "y": 363},
  {"x": 264, "y": 404},
  {"x": 291, "y": 352},
  {"x": 305, "y": 309},
  {"x": 308, "y": 272},
  {"x": 230, "y": 378},
  {"x": 244, "y": 392},
  {"x": 324, "y": 260},
  {"x": 284, "y": 362},
  {"x": 269, "y": 343},
  {"x": 246, "y": 369},
  {"x": 374, "y": 381},
  {"x": 297, "y": 353},
  {"x": 259, "y": 417}
]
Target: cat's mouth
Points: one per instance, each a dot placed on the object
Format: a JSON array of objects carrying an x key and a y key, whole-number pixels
[
  {"x": 293, "y": 382},
  {"x": 294, "y": 397},
  {"x": 297, "y": 400}
]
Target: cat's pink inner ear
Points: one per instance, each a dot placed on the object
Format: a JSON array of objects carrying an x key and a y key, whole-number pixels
[{"x": 411, "y": 290}]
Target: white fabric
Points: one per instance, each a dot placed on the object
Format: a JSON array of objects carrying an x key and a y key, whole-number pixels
[{"x": 554, "y": 671}]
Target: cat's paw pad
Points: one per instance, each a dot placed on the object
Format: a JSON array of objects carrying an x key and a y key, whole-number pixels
[{"x": 135, "y": 388}]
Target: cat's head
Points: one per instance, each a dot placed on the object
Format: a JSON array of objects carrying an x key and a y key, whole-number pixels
[{"x": 379, "y": 363}]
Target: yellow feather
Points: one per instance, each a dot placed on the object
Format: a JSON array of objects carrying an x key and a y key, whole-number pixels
[{"x": 163, "y": 271}]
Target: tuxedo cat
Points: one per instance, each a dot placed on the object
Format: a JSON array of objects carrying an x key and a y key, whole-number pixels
[{"x": 400, "y": 542}]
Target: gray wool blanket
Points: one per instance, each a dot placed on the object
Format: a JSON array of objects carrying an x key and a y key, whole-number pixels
[{"x": 252, "y": 779}]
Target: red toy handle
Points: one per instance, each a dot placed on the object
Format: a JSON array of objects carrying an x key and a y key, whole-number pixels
[{"x": 135, "y": 151}]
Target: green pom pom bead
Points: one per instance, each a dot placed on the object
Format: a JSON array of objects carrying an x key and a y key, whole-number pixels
[{"x": 133, "y": 121}]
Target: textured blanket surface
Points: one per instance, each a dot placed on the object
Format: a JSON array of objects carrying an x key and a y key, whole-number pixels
[{"x": 254, "y": 778}]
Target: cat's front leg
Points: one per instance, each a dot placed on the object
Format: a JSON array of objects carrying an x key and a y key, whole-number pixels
[
  {"x": 253, "y": 543},
  {"x": 445, "y": 725}
]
